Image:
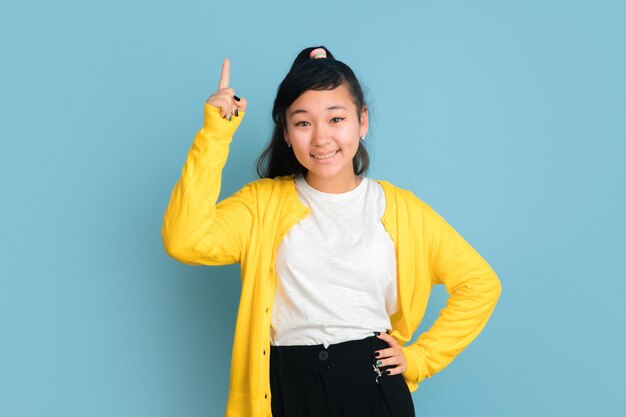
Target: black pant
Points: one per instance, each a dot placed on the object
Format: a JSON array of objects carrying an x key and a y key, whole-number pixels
[{"x": 340, "y": 381}]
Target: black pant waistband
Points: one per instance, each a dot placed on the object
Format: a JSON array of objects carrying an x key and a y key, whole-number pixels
[{"x": 345, "y": 349}]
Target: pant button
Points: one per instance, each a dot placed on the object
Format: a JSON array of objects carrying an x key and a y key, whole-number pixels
[{"x": 323, "y": 355}]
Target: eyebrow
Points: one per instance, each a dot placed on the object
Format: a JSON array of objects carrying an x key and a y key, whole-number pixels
[{"x": 338, "y": 107}]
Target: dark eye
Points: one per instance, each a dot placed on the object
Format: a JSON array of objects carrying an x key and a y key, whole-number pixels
[
  {"x": 336, "y": 119},
  {"x": 302, "y": 124}
]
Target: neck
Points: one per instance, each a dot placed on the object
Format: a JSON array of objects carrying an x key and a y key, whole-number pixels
[{"x": 334, "y": 186}]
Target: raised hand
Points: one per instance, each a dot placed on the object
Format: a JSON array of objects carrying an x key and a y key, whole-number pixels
[{"x": 225, "y": 98}]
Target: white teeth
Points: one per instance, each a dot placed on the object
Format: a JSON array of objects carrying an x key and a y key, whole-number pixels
[{"x": 326, "y": 156}]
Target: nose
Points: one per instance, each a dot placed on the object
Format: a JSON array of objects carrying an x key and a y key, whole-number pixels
[{"x": 321, "y": 136}]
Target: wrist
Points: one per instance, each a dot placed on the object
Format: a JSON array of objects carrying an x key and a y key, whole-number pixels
[{"x": 219, "y": 126}]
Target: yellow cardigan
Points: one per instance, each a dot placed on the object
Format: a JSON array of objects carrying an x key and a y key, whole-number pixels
[{"x": 247, "y": 228}]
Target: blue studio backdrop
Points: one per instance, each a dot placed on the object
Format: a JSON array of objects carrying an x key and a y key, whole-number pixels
[{"x": 507, "y": 117}]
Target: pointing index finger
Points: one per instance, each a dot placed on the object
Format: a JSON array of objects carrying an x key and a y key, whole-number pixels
[{"x": 225, "y": 77}]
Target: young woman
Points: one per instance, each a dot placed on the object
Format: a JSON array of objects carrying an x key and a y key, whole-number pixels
[{"x": 336, "y": 267}]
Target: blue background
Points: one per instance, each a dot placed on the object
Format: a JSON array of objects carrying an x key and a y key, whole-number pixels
[{"x": 509, "y": 118}]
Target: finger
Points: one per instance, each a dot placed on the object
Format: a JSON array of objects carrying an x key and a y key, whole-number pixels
[
  {"x": 227, "y": 92},
  {"x": 391, "y": 341},
  {"x": 223, "y": 99},
  {"x": 226, "y": 113},
  {"x": 385, "y": 353},
  {"x": 242, "y": 104},
  {"x": 393, "y": 366},
  {"x": 391, "y": 361},
  {"x": 225, "y": 104},
  {"x": 396, "y": 370},
  {"x": 223, "y": 94},
  {"x": 225, "y": 76}
]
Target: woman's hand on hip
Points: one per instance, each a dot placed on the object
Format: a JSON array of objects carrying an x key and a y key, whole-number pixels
[
  {"x": 392, "y": 357},
  {"x": 224, "y": 98}
]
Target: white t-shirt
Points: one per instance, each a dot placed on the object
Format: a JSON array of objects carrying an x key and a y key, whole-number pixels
[{"x": 336, "y": 269}]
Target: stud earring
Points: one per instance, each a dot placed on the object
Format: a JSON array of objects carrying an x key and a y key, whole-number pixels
[{"x": 363, "y": 137}]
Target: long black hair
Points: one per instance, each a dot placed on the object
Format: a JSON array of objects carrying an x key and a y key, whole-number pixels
[{"x": 308, "y": 74}]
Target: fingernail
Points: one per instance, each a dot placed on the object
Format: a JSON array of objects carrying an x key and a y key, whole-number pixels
[
  {"x": 230, "y": 117},
  {"x": 377, "y": 354},
  {"x": 376, "y": 333},
  {"x": 387, "y": 372},
  {"x": 236, "y": 113},
  {"x": 236, "y": 98},
  {"x": 379, "y": 363}
]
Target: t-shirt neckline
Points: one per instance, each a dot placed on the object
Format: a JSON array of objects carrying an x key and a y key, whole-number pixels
[{"x": 354, "y": 193}]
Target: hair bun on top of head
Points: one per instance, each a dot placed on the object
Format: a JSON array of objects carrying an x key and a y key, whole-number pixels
[
  {"x": 312, "y": 53},
  {"x": 318, "y": 53}
]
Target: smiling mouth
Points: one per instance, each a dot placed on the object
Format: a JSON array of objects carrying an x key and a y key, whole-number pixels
[{"x": 326, "y": 155}]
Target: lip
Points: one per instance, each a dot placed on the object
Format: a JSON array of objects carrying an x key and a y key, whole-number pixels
[{"x": 325, "y": 156}]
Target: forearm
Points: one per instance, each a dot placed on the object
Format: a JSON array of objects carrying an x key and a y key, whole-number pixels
[
  {"x": 473, "y": 289},
  {"x": 467, "y": 310},
  {"x": 189, "y": 221}
]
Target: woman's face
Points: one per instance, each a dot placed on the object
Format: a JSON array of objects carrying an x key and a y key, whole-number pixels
[{"x": 323, "y": 129}]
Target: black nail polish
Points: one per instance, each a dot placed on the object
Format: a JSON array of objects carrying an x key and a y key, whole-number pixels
[
  {"x": 236, "y": 98},
  {"x": 377, "y": 354},
  {"x": 236, "y": 113},
  {"x": 387, "y": 372},
  {"x": 376, "y": 333}
]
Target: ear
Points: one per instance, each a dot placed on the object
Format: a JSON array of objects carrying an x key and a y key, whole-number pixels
[
  {"x": 365, "y": 123},
  {"x": 286, "y": 136}
]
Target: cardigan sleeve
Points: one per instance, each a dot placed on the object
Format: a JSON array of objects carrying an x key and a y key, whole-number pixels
[
  {"x": 473, "y": 289},
  {"x": 195, "y": 229}
]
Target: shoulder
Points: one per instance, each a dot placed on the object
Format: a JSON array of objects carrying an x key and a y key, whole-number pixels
[
  {"x": 401, "y": 197},
  {"x": 267, "y": 190},
  {"x": 271, "y": 185},
  {"x": 404, "y": 209}
]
